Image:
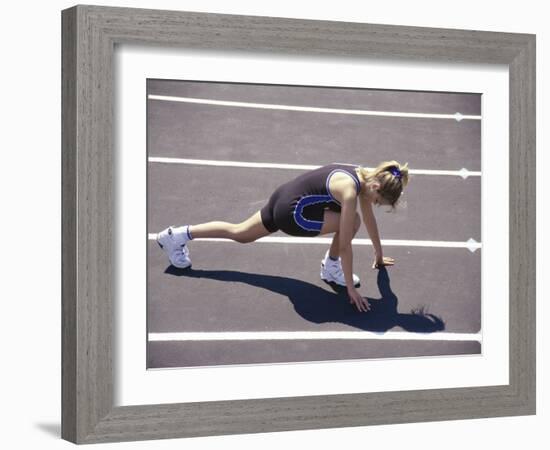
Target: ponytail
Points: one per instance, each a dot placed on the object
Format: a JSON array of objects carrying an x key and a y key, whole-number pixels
[{"x": 391, "y": 176}]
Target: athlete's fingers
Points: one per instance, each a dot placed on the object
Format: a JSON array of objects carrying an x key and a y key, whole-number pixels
[{"x": 360, "y": 303}]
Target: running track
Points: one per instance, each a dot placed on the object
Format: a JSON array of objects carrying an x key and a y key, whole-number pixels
[{"x": 217, "y": 151}]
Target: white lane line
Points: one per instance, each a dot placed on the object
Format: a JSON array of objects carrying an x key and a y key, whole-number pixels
[
  {"x": 358, "y": 112},
  {"x": 464, "y": 173},
  {"x": 471, "y": 244},
  {"x": 218, "y": 163},
  {"x": 312, "y": 335}
]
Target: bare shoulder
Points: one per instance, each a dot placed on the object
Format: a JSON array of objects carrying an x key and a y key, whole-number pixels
[{"x": 342, "y": 187}]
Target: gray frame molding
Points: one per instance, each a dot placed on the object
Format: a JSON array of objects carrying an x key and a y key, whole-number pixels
[{"x": 89, "y": 36}]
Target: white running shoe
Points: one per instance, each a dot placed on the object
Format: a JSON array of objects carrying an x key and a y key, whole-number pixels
[
  {"x": 331, "y": 272},
  {"x": 173, "y": 241}
]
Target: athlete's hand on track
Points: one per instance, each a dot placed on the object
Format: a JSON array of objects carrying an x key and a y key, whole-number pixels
[
  {"x": 385, "y": 261},
  {"x": 355, "y": 298}
]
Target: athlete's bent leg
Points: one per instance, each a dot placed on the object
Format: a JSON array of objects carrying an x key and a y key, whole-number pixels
[
  {"x": 331, "y": 268},
  {"x": 248, "y": 231},
  {"x": 331, "y": 224}
]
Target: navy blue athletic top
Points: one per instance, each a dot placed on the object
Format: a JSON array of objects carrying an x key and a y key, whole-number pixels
[{"x": 297, "y": 207}]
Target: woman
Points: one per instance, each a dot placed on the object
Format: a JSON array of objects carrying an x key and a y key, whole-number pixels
[{"x": 318, "y": 202}]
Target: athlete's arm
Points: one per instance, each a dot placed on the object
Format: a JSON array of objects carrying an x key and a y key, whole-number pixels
[
  {"x": 348, "y": 205},
  {"x": 347, "y": 220},
  {"x": 370, "y": 223},
  {"x": 372, "y": 229},
  {"x": 344, "y": 190}
]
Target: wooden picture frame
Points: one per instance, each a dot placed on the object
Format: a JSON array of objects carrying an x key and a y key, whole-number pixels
[{"x": 89, "y": 37}]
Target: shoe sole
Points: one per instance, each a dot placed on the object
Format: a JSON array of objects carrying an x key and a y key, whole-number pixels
[
  {"x": 183, "y": 268},
  {"x": 334, "y": 283}
]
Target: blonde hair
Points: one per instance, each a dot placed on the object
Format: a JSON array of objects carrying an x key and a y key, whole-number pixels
[{"x": 391, "y": 176}]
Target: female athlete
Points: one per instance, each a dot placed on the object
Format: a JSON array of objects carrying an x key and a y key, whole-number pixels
[{"x": 321, "y": 201}]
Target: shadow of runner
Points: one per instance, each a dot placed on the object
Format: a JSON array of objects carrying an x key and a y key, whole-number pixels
[{"x": 318, "y": 305}]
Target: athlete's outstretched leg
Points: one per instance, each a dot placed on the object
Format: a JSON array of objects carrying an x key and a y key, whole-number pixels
[
  {"x": 247, "y": 231},
  {"x": 173, "y": 240}
]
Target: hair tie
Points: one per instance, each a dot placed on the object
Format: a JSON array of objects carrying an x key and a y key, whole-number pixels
[{"x": 395, "y": 172}]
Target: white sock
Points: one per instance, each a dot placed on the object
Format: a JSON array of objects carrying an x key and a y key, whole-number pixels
[{"x": 188, "y": 232}]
